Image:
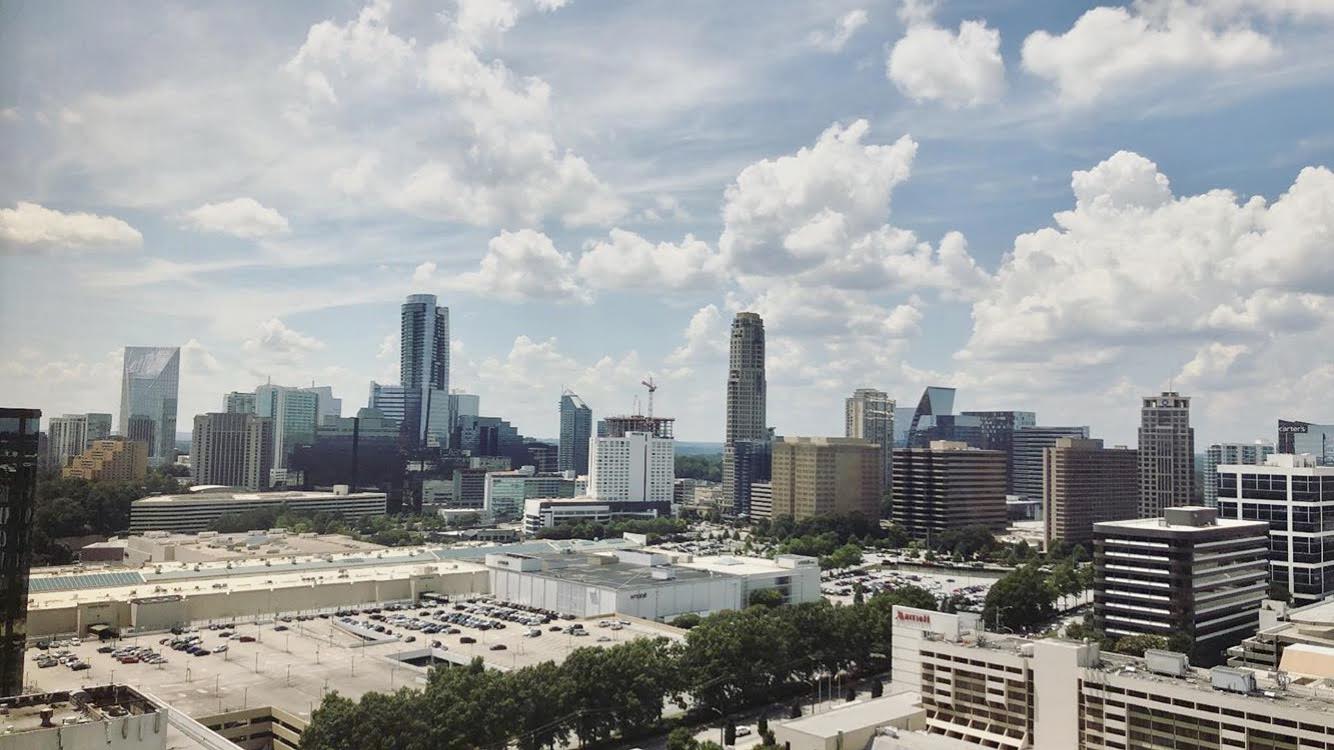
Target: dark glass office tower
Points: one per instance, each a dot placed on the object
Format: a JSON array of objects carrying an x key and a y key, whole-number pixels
[
  {"x": 19, "y": 454},
  {"x": 576, "y": 427},
  {"x": 424, "y": 369}
]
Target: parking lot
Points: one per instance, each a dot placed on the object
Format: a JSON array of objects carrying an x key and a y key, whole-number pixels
[
  {"x": 292, "y": 662},
  {"x": 838, "y": 586}
]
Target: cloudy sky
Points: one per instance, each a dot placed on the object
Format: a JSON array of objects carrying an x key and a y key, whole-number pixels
[{"x": 1049, "y": 205}]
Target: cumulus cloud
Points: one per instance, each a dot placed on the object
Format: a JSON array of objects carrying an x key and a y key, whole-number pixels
[
  {"x": 196, "y": 359},
  {"x": 819, "y": 216},
  {"x": 242, "y": 217},
  {"x": 523, "y": 265},
  {"x": 626, "y": 260},
  {"x": 275, "y": 339},
  {"x": 844, "y": 28},
  {"x": 956, "y": 69},
  {"x": 705, "y": 337},
  {"x": 1235, "y": 290},
  {"x": 35, "y": 226},
  {"x": 1111, "y": 50}
]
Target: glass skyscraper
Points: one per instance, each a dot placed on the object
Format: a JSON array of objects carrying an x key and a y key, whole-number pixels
[
  {"x": 19, "y": 455},
  {"x": 576, "y": 427},
  {"x": 1307, "y": 437},
  {"x": 148, "y": 393},
  {"x": 424, "y": 369}
]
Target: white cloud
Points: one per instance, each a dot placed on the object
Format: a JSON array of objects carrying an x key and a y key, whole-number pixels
[
  {"x": 198, "y": 360},
  {"x": 523, "y": 265},
  {"x": 423, "y": 273},
  {"x": 362, "y": 47},
  {"x": 818, "y": 216},
  {"x": 275, "y": 339},
  {"x": 10, "y": 114},
  {"x": 1215, "y": 366},
  {"x": 30, "y": 224},
  {"x": 1113, "y": 50},
  {"x": 705, "y": 338},
  {"x": 627, "y": 261},
  {"x": 844, "y": 28},
  {"x": 957, "y": 69},
  {"x": 242, "y": 217}
]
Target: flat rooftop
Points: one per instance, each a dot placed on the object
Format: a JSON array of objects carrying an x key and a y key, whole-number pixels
[
  {"x": 854, "y": 716},
  {"x": 736, "y": 565},
  {"x": 621, "y": 575},
  {"x": 1160, "y": 524}
]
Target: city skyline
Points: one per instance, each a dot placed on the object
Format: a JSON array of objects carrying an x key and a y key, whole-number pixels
[{"x": 624, "y": 242}]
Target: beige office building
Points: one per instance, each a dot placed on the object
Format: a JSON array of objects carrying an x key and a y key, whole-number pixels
[
  {"x": 1084, "y": 483},
  {"x": 819, "y": 476},
  {"x": 232, "y": 449},
  {"x": 111, "y": 460}
]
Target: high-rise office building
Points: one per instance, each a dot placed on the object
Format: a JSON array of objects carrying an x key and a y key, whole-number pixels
[
  {"x": 745, "y": 464},
  {"x": 388, "y": 400},
  {"x": 424, "y": 369},
  {"x": 238, "y": 402},
  {"x": 934, "y": 420},
  {"x": 747, "y": 394},
  {"x": 1084, "y": 484},
  {"x": 20, "y": 455},
  {"x": 546, "y": 456},
  {"x": 148, "y": 391},
  {"x": 462, "y": 406},
  {"x": 329, "y": 406},
  {"x": 576, "y": 427},
  {"x": 361, "y": 452},
  {"x": 116, "y": 459},
  {"x": 1297, "y": 437},
  {"x": 815, "y": 476},
  {"x": 1295, "y": 496},
  {"x": 233, "y": 450},
  {"x": 761, "y": 500},
  {"x": 637, "y": 467},
  {"x": 1166, "y": 454},
  {"x": 1219, "y": 454},
  {"x": 948, "y": 485},
  {"x": 869, "y": 415},
  {"x": 1187, "y": 573},
  {"x": 295, "y": 414},
  {"x": 72, "y": 434},
  {"x": 998, "y": 428},
  {"x": 1026, "y": 456}
]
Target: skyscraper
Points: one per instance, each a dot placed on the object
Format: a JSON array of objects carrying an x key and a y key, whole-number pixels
[
  {"x": 746, "y": 396},
  {"x": 148, "y": 391},
  {"x": 1166, "y": 454},
  {"x": 576, "y": 427},
  {"x": 1026, "y": 449},
  {"x": 947, "y": 485},
  {"x": 869, "y": 415},
  {"x": 19, "y": 455},
  {"x": 1084, "y": 484},
  {"x": 1230, "y": 453},
  {"x": 72, "y": 434},
  {"x": 235, "y": 450},
  {"x": 934, "y": 419},
  {"x": 998, "y": 435},
  {"x": 295, "y": 414},
  {"x": 815, "y": 476},
  {"x": 424, "y": 369},
  {"x": 636, "y": 467},
  {"x": 239, "y": 402},
  {"x": 388, "y": 400}
]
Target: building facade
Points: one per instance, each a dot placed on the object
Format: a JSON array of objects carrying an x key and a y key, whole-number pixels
[
  {"x": 815, "y": 476},
  {"x": 20, "y": 456},
  {"x": 388, "y": 400},
  {"x": 550, "y": 512},
  {"x": 424, "y": 369},
  {"x": 998, "y": 428},
  {"x": 196, "y": 511},
  {"x": 505, "y": 491},
  {"x": 761, "y": 500},
  {"x": 1166, "y": 454},
  {"x": 110, "y": 460},
  {"x": 747, "y": 393},
  {"x": 948, "y": 485},
  {"x": 232, "y": 450},
  {"x": 295, "y": 412},
  {"x": 576, "y": 428},
  {"x": 1294, "y": 497},
  {"x": 1219, "y": 454},
  {"x": 150, "y": 381},
  {"x": 1187, "y": 574},
  {"x": 72, "y": 434},
  {"x": 1085, "y": 484},
  {"x": 238, "y": 402},
  {"x": 1296, "y": 437},
  {"x": 869, "y": 415},
  {"x": 745, "y": 462},
  {"x": 638, "y": 467},
  {"x": 1026, "y": 450}
]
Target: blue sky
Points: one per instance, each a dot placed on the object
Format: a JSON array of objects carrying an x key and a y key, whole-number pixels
[{"x": 1051, "y": 206}]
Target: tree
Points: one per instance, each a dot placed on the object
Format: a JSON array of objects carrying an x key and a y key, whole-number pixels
[
  {"x": 708, "y": 467},
  {"x": 844, "y": 557},
  {"x": 682, "y": 738},
  {"x": 765, "y": 598},
  {"x": 1020, "y": 600},
  {"x": 1136, "y": 645},
  {"x": 686, "y": 621}
]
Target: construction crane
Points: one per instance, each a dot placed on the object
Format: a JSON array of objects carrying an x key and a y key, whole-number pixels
[{"x": 651, "y": 386}]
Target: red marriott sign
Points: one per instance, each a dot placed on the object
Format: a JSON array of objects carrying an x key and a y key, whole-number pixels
[{"x": 917, "y": 617}]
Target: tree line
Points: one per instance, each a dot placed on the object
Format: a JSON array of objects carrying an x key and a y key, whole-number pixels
[
  {"x": 68, "y": 508},
  {"x": 728, "y": 661},
  {"x": 656, "y": 528}
]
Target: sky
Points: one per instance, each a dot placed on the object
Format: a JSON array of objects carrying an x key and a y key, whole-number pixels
[{"x": 1051, "y": 206}]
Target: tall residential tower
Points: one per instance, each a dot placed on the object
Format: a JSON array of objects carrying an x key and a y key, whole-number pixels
[
  {"x": 746, "y": 394},
  {"x": 424, "y": 369},
  {"x": 869, "y": 415}
]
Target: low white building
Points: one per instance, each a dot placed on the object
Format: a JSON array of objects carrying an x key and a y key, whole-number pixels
[
  {"x": 549, "y": 512},
  {"x": 643, "y": 583},
  {"x": 195, "y": 511}
]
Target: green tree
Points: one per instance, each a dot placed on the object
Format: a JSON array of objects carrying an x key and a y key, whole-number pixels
[
  {"x": 1136, "y": 645},
  {"x": 686, "y": 621},
  {"x": 843, "y": 557},
  {"x": 765, "y": 598},
  {"x": 1021, "y": 600}
]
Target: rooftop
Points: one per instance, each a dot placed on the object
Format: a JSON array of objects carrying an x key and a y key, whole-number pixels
[
  {"x": 859, "y": 715},
  {"x": 1188, "y": 519},
  {"x": 620, "y": 575},
  {"x": 250, "y": 497}
]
